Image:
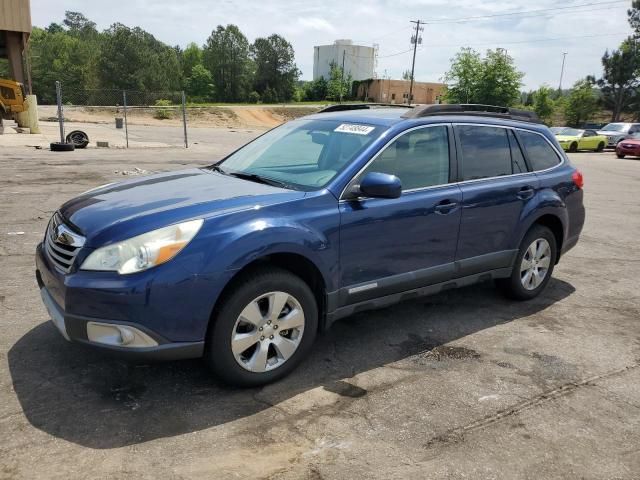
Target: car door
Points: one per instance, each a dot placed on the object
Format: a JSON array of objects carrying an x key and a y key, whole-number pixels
[
  {"x": 589, "y": 141},
  {"x": 496, "y": 187},
  {"x": 393, "y": 245}
]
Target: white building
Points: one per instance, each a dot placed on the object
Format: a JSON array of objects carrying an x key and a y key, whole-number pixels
[{"x": 359, "y": 61}]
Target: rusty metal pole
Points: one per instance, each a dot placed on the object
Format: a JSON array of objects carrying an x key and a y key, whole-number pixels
[{"x": 60, "y": 112}]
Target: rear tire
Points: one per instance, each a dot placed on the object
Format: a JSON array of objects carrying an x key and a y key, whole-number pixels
[
  {"x": 573, "y": 148},
  {"x": 533, "y": 266},
  {"x": 243, "y": 349},
  {"x": 600, "y": 147}
]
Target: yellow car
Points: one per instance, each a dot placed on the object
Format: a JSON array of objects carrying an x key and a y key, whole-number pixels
[{"x": 573, "y": 139}]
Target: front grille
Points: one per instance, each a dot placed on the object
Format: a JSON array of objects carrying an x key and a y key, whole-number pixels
[{"x": 61, "y": 244}]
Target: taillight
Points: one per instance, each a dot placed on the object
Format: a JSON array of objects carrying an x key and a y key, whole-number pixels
[{"x": 577, "y": 178}]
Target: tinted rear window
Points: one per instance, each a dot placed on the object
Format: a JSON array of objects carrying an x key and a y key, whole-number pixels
[
  {"x": 541, "y": 154},
  {"x": 485, "y": 151}
]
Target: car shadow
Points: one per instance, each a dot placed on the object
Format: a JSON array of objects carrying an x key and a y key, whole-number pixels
[{"x": 95, "y": 400}]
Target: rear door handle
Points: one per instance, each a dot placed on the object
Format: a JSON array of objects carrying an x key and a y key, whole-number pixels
[
  {"x": 445, "y": 207},
  {"x": 525, "y": 192}
]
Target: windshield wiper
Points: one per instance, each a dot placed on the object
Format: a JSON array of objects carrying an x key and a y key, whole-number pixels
[
  {"x": 217, "y": 168},
  {"x": 254, "y": 177}
]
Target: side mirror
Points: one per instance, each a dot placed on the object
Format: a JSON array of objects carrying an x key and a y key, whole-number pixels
[{"x": 380, "y": 185}]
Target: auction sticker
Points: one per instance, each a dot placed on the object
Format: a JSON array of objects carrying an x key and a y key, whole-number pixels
[{"x": 354, "y": 128}]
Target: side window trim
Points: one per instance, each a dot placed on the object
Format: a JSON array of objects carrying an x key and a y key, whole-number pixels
[
  {"x": 524, "y": 152},
  {"x": 452, "y": 160},
  {"x": 518, "y": 145}
]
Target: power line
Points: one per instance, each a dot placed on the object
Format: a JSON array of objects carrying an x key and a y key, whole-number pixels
[
  {"x": 524, "y": 41},
  {"x": 525, "y": 12}
]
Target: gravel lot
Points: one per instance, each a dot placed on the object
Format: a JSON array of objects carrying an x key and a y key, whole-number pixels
[{"x": 464, "y": 384}]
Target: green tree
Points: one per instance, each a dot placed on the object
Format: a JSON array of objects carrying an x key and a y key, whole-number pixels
[
  {"x": 76, "y": 22},
  {"x": 463, "y": 77},
  {"x": 58, "y": 56},
  {"x": 226, "y": 56},
  {"x": 199, "y": 84},
  {"x": 338, "y": 86},
  {"x": 634, "y": 17},
  {"x": 543, "y": 104},
  {"x": 315, "y": 90},
  {"x": 619, "y": 80},
  {"x": 133, "y": 59},
  {"x": 189, "y": 58},
  {"x": 406, "y": 75},
  {"x": 492, "y": 80},
  {"x": 275, "y": 67},
  {"x": 581, "y": 104}
]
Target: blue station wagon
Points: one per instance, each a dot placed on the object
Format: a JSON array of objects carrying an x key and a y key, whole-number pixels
[{"x": 355, "y": 207}]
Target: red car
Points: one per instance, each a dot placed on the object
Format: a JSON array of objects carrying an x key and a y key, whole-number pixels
[{"x": 629, "y": 146}]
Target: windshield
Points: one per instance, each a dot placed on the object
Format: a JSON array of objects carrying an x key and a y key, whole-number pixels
[
  {"x": 615, "y": 127},
  {"x": 574, "y": 132},
  {"x": 302, "y": 154}
]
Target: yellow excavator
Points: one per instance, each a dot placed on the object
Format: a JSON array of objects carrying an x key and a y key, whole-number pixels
[{"x": 12, "y": 99}]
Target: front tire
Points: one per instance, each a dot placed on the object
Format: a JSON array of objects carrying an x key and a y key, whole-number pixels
[
  {"x": 600, "y": 147},
  {"x": 573, "y": 148},
  {"x": 263, "y": 329},
  {"x": 533, "y": 266},
  {"x": 620, "y": 155}
]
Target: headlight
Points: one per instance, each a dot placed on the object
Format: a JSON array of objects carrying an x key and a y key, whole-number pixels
[{"x": 144, "y": 251}]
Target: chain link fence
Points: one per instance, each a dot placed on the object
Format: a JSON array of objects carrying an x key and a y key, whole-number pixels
[{"x": 121, "y": 118}]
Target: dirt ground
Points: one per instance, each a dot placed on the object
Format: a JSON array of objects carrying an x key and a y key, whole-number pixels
[
  {"x": 464, "y": 384},
  {"x": 237, "y": 116}
]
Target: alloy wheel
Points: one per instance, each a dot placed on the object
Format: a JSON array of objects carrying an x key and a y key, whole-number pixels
[
  {"x": 267, "y": 332},
  {"x": 535, "y": 264}
]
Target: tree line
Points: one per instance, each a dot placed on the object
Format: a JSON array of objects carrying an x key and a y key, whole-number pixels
[
  {"x": 495, "y": 80},
  {"x": 227, "y": 68}
]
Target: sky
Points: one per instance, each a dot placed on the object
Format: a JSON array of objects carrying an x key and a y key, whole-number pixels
[{"x": 536, "y": 40}]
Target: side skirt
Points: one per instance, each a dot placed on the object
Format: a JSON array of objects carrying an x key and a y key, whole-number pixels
[{"x": 387, "y": 300}]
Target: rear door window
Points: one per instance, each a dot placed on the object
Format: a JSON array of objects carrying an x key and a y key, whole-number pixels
[
  {"x": 485, "y": 151},
  {"x": 540, "y": 153}
]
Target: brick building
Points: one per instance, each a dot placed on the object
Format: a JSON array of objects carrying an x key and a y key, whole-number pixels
[{"x": 382, "y": 90}]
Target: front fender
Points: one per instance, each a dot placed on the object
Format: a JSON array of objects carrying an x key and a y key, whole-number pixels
[{"x": 309, "y": 228}]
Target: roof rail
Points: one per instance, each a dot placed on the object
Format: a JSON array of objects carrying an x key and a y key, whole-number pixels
[
  {"x": 473, "y": 109},
  {"x": 341, "y": 107}
]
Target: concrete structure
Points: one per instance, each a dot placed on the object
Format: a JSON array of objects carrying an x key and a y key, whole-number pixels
[
  {"x": 359, "y": 61},
  {"x": 397, "y": 91},
  {"x": 15, "y": 28}
]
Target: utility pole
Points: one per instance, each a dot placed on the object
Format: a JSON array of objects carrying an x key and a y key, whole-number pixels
[
  {"x": 415, "y": 40},
  {"x": 342, "y": 79},
  {"x": 564, "y": 55}
]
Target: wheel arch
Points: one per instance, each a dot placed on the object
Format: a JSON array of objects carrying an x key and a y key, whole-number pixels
[
  {"x": 295, "y": 263},
  {"x": 553, "y": 223}
]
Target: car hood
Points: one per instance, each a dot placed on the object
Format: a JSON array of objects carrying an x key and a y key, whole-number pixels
[
  {"x": 611, "y": 133},
  {"x": 631, "y": 141},
  {"x": 121, "y": 210},
  {"x": 566, "y": 138}
]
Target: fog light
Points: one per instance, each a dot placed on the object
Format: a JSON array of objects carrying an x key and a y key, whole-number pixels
[{"x": 118, "y": 335}]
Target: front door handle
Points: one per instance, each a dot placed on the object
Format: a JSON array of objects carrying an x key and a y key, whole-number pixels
[
  {"x": 526, "y": 192},
  {"x": 445, "y": 207}
]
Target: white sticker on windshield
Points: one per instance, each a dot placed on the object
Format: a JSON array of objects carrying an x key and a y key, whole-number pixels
[{"x": 353, "y": 128}]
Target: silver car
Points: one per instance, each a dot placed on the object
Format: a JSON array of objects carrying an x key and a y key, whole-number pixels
[{"x": 618, "y": 131}]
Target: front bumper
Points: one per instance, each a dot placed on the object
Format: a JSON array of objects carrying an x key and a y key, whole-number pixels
[
  {"x": 74, "y": 327},
  {"x": 633, "y": 151}
]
